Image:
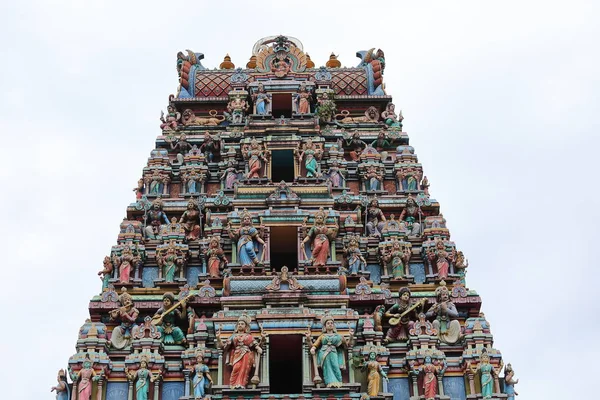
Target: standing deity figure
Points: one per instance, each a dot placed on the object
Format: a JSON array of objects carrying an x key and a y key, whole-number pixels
[
  {"x": 310, "y": 153},
  {"x": 510, "y": 382},
  {"x": 335, "y": 175},
  {"x": 425, "y": 185},
  {"x": 408, "y": 178},
  {"x": 142, "y": 378},
  {"x": 201, "y": 379},
  {"x": 319, "y": 236},
  {"x": 126, "y": 316},
  {"x": 399, "y": 257},
  {"x": 390, "y": 118},
  {"x": 430, "y": 381},
  {"x": 374, "y": 374},
  {"x": 156, "y": 216},
  {"x": 126, "y": 263},
  {"x": 191, "y": 220},
  {"x": 460, "y": 265},
  {"x": 166, "y": 319},
  {"x": 374, "y": 178},
  {"x": 230, "y": 176},
  {"x": 400, "y": 318},
  {"x": 260, "y": 100},
  {"x": 247, "y": 238},
  {"x": 172, "y": 119},
  {"x": 139, "y": 189},
  {"x": 170, "y": 262},
  {"x": 182, "y": 146},
  {"x": 211, "y": 146},
  {"x": 156, "y": 183},
  {"x": 84, "y": 378},
  {"x": 356, "y": 145},
  {"x": 411, "y": 215},
  {"x": 441, "y": 257},
  {"x": 380, "y": 144},
  {"x": 444, "y": 314},
  {"x": 487, "y": 372},
  {"x": 326, "y": 108},
  {"x": 329, "y": 351},
  {"x": 241, "y": 357},
  {"x": 237, "y": 107},
  {"x": 62, "y": 386},
  {"x": 216, "y": 261},
  {"x": 192, "y": 181},
  {"x": 256, "y": 157},
  {"x": 304, "y": 97},
  {"x": 106, "y": 272},
  {"x": 375, "y": 219},
  {"x": 354, "y": 258}
]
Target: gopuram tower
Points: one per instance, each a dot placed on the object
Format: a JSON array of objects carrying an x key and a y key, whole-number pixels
[{"x": 283, "y": 244}]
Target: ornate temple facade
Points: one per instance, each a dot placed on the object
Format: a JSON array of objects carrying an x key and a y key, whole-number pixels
[{"x": 283, "y": 244}]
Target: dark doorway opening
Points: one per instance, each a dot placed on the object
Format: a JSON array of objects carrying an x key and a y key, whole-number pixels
[
  {"x": 282, "y": 105},
  {"x": 284, "y": 247},
  {"x": 282, "y": 167},
  {"x": 285, "y": 364}
]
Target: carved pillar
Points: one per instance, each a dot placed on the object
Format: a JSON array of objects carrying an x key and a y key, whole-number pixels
[
  {"x": 385, "y": 381},
  {"x": 186, "y": 377},
  {"x": 157, "y": 389},
  {"x": 220, "y": 368},
  {"x": 130, "y": 392},
  {"x": 440, "y": 385},
  {"x": 305, "y": 363},
  {"x": 429, "y": 264},
  {"x": 349, "y": 364},
  {"x": 496, "y": 384},
  {"x": 415, "y": 385},
  {"x": 471, "y": 383},
  {"x": 74, "y": 393},
  {"x": 99, "y": 388},
  {"x": 265, "y": 377}
]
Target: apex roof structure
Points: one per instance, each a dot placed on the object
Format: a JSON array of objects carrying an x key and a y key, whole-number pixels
[{"x": 283, "y": 244}]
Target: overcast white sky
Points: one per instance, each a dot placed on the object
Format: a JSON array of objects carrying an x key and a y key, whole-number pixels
[{"x": 500, "y": 100}]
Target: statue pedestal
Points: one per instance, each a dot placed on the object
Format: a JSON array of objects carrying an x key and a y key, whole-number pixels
[
  {"x": 325, "y": 392},
  {"x": 495, "y": 396},
  {"x": 382, "y": 396},
  {"x": 241, "y": 393}
]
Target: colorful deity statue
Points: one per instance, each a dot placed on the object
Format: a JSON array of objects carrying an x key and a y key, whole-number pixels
[
  {"x": 399, "y": 257},
  {"x": 401, "y": 318},
  {"x": 106, "y": 272},
  {"x": 441, "y": 257},
  {"x": 390, "y": 118},
  {"x": 139, "y": 189},
  {"x": 166, "y": 319},
  {"x": 355, "y": 261},
  {"x": 510, "y": 382},
  {"x": 336, "y": 178},
  {"x": 374, "y": 178},
  {"x": 380, "y": 144},
  {"x": 126, "y": 262},
  {"x": 212, "y": 146},
  {"x": 430, "y": 380},
  {"x": 202, "y": 378},
  {"x": 329, "y": 351},
  {"x": 486, "y": 372},
  {"x": 142, "y": 378},
  {"x": 326, "y": 108},
  {"x": 62, "y": 386},
  {"x": 126, "y": 316},
  {"x": 193, "y": 180},
  {"x": 172, "y": 119},
  {"x": 247, "y": 239},
  {"x": 156, "y": 217},
  {"x": 411, "y": 215},
  {"x": 355, "y": 145},
  {"x": 156, "y": 183},
  {"x": 237, "y": 106},
  {"x": 375, "y": 219},
  {"x": 216, "y": 260},
  {"x": 244, "y": 353},
  {"x": 84, "y": 378},
  {"x": 304, "y": 98},
  {"x": 425, "y": 185},
  {"x": 261, "y": 99},
  {"x": 444, "y": 314},
  {"x": 182, "y": 146},
  {"x": 170, "y": 262},
  {"x": 319, "y": 236},
  {"x": 256, "y": 157},
  {"x": 460, "y": 265},
  {"x": 311, "y": 154},
  {"x": 374, "y": 374},
  {"x": 230, "y": 176},
  {"x": 191, "y": 220}
]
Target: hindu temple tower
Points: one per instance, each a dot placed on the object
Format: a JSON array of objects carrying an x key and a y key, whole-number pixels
[{"x": 283, "y": 244}]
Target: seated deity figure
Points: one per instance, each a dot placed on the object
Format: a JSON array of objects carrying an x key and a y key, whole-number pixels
[
  {"x": 166, "y": 320},
  {"x": 191, "y": 220},
  {"x": 212, "y": 146},
  {"x": 375, "y": 219},
  {"x": 401, "y": 321},
  {"x": 380, "y": 144},
  {"x": 390, "y": 118},
  {"x": 126, "y": 316},
  {"x": 444, "y": 314},
  {"x": 182, "y": 146},
  {"x": 156, "y": 216},
  {"x": 410, "y": 215},
  {"x": 172, "y": 120}
]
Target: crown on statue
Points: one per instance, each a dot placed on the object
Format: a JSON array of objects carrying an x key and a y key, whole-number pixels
[
  {"x": 325, "y": 318},
  {"x": 321, "y": 213},
  {"x": 245, "y": 213},
  {"x": 246, "y": 318},
  {"x": 125, "y": 297}
]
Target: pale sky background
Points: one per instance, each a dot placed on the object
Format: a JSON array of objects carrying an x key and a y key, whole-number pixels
[{"x": 500, "y": 100}]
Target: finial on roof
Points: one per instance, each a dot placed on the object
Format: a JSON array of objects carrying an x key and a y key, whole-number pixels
[
  {"x": 227, "y": 64},
  {"x": 251, "y": 63},
  {"x": 309, "y": 63},
  {"x": 333, "y": 62}
]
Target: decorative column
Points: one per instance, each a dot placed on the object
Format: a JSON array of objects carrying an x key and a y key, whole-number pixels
[
  {"x": 440, "y": 385},
  {"x": 471, "y": 383},
  {"x": 130, "y": 393},
  {"x": 99, "y": 388},
  {"x": 220, "y": 368},
  {"x": 415, "y": 385},
  {"x": 305, "y": 363},
  {"x": 265, "y": 377},
  {"x": 496, "y": 384},
  {"x": 350, "y": 368},
  {"x": 74, "y": 392},
  {"x": 157, "y": 388},
  {"x": 385, "y": 381},
  {"x": 186, "y": 377}
]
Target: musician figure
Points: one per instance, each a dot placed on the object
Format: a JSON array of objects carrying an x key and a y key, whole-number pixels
[
  {"x": 400, "y": 317},
  {"x": 166, "y": 319}
]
